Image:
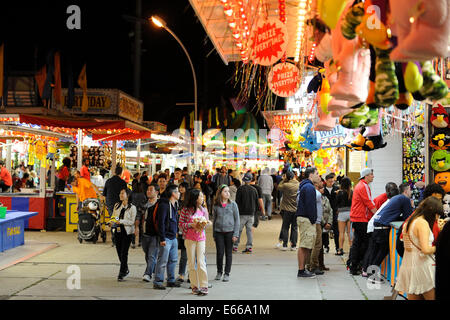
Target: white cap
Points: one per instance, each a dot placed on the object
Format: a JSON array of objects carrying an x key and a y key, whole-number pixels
[{"x": 365, "y": 172}]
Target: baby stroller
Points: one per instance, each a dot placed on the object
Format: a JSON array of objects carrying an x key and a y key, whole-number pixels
[{"x": 89, "y": 224}]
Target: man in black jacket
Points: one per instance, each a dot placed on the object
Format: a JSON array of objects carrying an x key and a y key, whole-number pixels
[
  {"x": 168, "y": 245},
  {"x": 331, "y": 192},
  {"x": 111, "y": 191},
  {"x": 247, "y": 201},
  {"x": 150, "y": 237}
]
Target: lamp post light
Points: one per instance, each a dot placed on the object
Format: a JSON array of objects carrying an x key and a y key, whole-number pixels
[{"x": 160, "y": 23}]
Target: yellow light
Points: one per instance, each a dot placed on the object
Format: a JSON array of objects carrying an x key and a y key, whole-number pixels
[{"x": 158, "y": 22}]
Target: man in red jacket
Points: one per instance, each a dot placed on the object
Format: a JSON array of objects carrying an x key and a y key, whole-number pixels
[{"x": 362, "y": 210}]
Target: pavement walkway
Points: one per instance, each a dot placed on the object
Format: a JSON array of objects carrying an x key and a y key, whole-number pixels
[{"x": 267, "y": 274}]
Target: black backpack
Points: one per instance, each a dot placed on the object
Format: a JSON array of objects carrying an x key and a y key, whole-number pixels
[{"x": 399, "y": 246}]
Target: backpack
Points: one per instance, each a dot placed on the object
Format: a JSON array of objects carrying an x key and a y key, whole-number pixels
[
  {"x": 153, "y": 217},
  {"x": 399, "y": 246}
]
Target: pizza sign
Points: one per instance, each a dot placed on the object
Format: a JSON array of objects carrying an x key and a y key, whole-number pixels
[
  {"x": 284, "y": 79},
  {"x": 269, "y": 42}
]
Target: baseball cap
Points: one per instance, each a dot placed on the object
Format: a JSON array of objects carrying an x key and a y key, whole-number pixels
[
  {"x": 365, "y": 172},
  {"x": 247, "y": 177}
]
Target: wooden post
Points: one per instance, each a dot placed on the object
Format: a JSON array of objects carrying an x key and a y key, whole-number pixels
[
  {"x": 42, "y": 181},
  {"x": 52, "y": 175},
  {"x": 8, "y": 156}
]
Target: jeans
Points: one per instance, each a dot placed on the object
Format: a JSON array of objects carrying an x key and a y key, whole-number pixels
[
  {"x": 289, "y": 221},
  {"x": 359, "y": 245},
  {"x": 224, "y": 245},
  {"x": 267, "y": 200},
  {"x": 150, "y": 245},
  {"x": 198, "y": 274},
  {"x": 246, "y": 221},
  {"x": 167, "y": 258},
  {"x": 123, "y": 241},
  {"x": 380, "y": 239}
]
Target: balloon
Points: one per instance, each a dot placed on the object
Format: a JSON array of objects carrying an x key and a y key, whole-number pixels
[{"x": 330, "y": 11}]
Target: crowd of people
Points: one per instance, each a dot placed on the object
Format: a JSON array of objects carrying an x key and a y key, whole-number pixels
[{"x": 166, "y": 214}]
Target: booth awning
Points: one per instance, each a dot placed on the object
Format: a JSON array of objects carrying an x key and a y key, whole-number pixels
[{"x": 99, "y": 128}]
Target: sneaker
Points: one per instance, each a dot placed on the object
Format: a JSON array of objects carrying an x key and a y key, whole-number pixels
[
  {"x": 158, "y": 287},
  {"x": 305, "y": 274},
  {"x": 195, "y": 290},
  {"x": 120, "y": 278},
  {"x": 323, "y": 268},
  {"x": 209, "y": 285},
  {"x": 364, "y": 274},
  {"x": 203, "y": 292},
  {"x": 355, "y": 272},
  {"x": 284, "y": 248},
  {"x": 317, "y": 271},
  {"x": 377, "y": 280},
  {"x": 278, "y": 245},
  {"x": 180, "y": 279},
  {"x": 226, "y": 278},
  {"x": 248, "y": 251},
  {"x": 126, "y": 274},
  {"x": 146, "y": 278},
  {"x": 173, "y": 284},
  {"x": 218, "y": 276},
  {"x": 293, "y": 248},
  {"x": 133, "y": 246},
  {"x": 327, "y": 249},
  {"x": 235, "y": 249}
]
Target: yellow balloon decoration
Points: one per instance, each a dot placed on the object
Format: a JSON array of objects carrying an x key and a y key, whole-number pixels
[
  {"x": 295, "y": 137},
  {"x": 325, "y": 96},
  {"x": 330, "y": 11}
]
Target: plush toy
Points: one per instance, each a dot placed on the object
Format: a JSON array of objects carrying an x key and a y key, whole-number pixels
[
  {"x": 326, "y": 121},
  {"x": 310, "y": 140},
  {"x": 422, "y": 29},
  {"x": 434, "y": 88},
  {"x": 373, "y": 25},
  {"x": 440, "y": 140},
  {"x": 412, "y": 74},
  {"x": 330, "y": 11},
  {"x": 353, "y": 18},
  {"x": 315, "y": 83},
  {"x": 386, "y": 83},
  {"x": 446, "y": 202},
  {"x": 324, "y": 51},
  {"x": 405, "y": 98},
  {"x": 439, "y": 117},
  {"x": 353, "y": 77},
  {"x": 440, "y": 160},
  {"x": 363, "y": 116},
  {"x": 364, "y": 143},
  {"x": 443, "y": 179}
]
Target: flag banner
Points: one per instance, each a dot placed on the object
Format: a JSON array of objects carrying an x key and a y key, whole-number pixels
[
  {"x": 40, "y": 79},
  {"x": 82, "y": 82},
  {"x": 57, "y": 91}
]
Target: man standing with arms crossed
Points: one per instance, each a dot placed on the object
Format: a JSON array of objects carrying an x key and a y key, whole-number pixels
[
  {"x": 362, "y": 210},
  {"x": 306, "y": 219}
]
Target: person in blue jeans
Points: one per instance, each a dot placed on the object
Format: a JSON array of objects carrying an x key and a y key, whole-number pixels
[
  {"x": 150, "y": 237},
  {"x": 168, "y": 246}
]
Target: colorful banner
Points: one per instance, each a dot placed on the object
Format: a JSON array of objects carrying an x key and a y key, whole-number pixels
[
  {"x": 269, "y": 42},
  {"x": 284, "y": 79}
]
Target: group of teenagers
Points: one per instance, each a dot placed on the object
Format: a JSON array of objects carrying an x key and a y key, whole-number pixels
[
  {"x": 422, "y": 241},
  {"x": 173, "y": 218}
]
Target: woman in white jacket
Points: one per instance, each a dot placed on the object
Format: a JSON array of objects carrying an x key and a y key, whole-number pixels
[{"x": 124, "y": 216}]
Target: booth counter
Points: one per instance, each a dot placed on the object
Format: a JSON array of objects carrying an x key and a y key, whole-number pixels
[
  {"x": 12, "y": 228},
  {"x": 31, "y": 202}
]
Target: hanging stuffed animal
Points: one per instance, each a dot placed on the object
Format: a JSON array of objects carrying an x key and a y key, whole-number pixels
[
  {"x": 440, "y": 140},
  {"x": 51, "y": 149},
  {"x": 386, "y": 83},
  {"x": 326, "y": 121},
  {"x": 440, "y": 160},
  {"x": 363, "y": 116},
  {"x": 330, "y": 11},
  {"x": 433, "y": 88},
  {"x": 364, "y": 143},
  {"x": 443, "y": 179},
  {"x": 422, "y": 29},
  {"x": 439, "y": 117},
  {"x": 446, "y": 205},
  {"x": 310, "y": 140},
  {"x": 353, "y": 18}
]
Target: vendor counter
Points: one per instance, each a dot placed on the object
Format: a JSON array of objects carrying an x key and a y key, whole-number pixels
[
  {"x": 12, "y": 228},
  {"x": 68, "y": 207},
  {"x": 30, "y": 202}
]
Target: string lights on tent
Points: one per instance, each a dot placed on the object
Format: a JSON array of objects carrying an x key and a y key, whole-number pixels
[{"x": 302, "y": 11}]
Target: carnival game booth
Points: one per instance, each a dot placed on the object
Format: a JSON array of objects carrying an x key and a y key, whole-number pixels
[
  {"x": 36, "y": 148},
  {"x": 98, "y": 129}
]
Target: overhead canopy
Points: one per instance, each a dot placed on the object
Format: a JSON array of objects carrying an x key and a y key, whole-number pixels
[
  {"x": 100, "y": 129},
  {"x": 212, "y": 16}
]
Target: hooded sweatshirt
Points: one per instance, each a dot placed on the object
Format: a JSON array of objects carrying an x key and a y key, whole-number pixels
[
  {"x": 167, "y": 220},
  {"x": 306, "y": 201}
]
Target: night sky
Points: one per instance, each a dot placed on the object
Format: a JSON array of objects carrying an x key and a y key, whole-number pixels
[{"x": 105, "y": 43}]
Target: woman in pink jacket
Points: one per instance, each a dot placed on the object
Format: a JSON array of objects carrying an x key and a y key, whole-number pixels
[{"x": 193, "y": 221}]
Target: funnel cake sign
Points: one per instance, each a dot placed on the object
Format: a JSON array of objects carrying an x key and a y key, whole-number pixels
[
  {"x": 284, "y": 79},
  {"x": 269, "y": 42}
]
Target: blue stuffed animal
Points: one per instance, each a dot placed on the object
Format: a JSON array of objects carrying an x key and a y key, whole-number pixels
[{"x": 310, "y": 142}]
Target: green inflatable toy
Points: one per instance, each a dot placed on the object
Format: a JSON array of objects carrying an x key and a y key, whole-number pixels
[{"x": 440, "y": 160}]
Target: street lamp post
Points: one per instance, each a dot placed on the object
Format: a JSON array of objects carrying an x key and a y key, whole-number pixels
[{"x": 161, "y": 24}]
